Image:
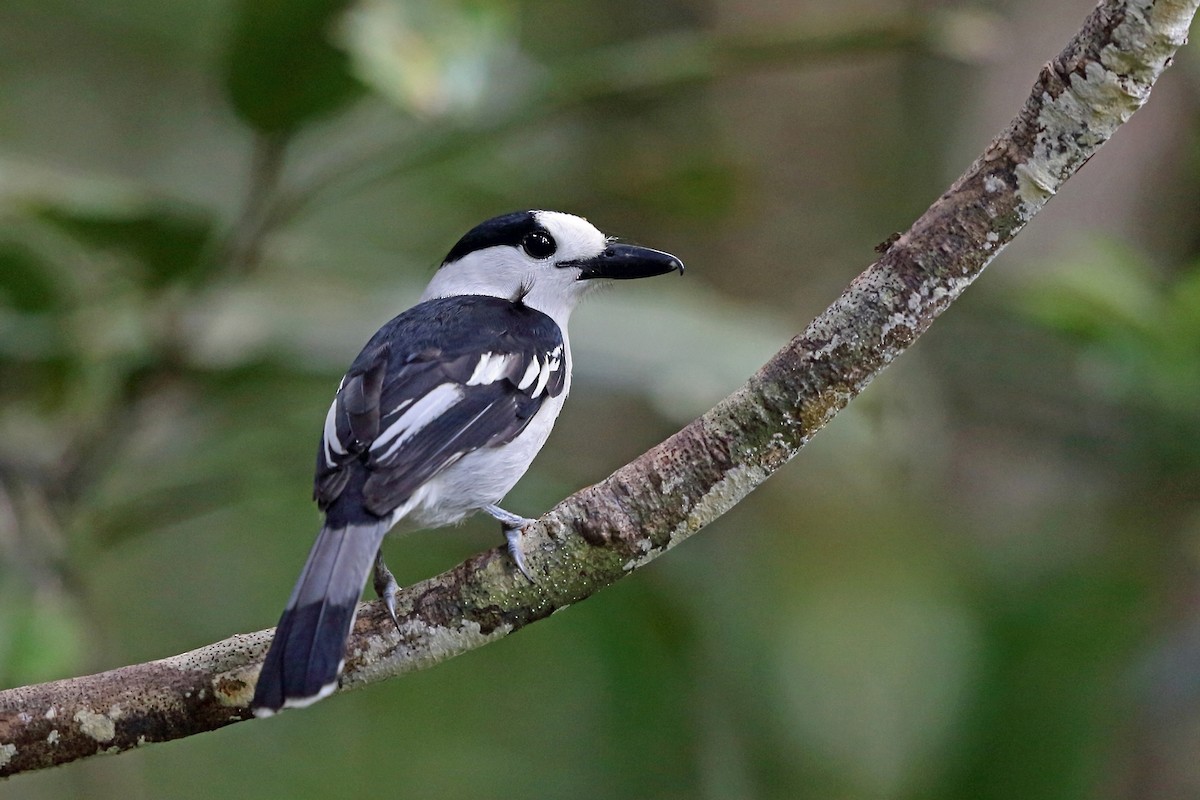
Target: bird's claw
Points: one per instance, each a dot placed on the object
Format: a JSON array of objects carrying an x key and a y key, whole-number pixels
[
  {"x": 512, "y": 533},
  {"x": 513, "y": 526},
  {"x": 386, "y": 588}
]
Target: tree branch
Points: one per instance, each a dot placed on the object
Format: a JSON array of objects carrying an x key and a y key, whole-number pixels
[{"x": 606, "y": 531}]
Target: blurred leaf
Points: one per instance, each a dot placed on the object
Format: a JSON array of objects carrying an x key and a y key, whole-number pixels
[
  {"x": 168, "y": 243},
  {"x": 855, "y": 667},
  {"x": 1057, "y": 656},
  {"x": 39, "y": 639},
  {"x": 1101, "y": 288},
  {"x": 25, "y": 281},
  {"x": 431, "y": 58},
  {"x": 281, "y": 69},
  {"x": 696, "y": 189},
  {"x": 1142, "y": 353},
  {"x": 1185, "y": 305}
]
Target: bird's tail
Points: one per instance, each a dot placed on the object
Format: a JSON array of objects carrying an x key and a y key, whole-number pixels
[{"x": 308, "y": 651}]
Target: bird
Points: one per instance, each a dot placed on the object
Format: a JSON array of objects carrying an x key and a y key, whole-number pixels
[{"x": 437, "y": 418}]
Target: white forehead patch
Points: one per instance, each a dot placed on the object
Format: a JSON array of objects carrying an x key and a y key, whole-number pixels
[{"x": 576, "y": 237}]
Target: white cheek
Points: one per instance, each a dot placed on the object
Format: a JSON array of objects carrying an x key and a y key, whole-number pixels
[{"x": 496, "y": 271}]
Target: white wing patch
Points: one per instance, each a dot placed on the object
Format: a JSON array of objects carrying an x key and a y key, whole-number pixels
[
  {"x": 531, "y": 373},
  {"x": 332, "y": 443},
  {"x": 491, "y": 367},
  {"x": 553, "y": 364},
  {"x": 417, "y": 416}
]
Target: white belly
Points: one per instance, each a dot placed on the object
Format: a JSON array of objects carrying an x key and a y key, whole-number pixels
[{"x": 480, "y": 478}]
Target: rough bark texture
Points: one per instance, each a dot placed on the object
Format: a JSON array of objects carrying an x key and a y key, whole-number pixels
[{"x": 608, "y": 530}]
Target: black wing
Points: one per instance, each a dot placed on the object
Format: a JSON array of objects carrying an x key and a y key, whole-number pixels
[{"x": 444, "y": 378}]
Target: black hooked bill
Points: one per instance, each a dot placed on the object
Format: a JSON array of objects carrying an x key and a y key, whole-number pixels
[{"x": 626, "y": 261}]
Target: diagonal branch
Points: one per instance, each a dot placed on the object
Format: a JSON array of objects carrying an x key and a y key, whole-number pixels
[{"x": 606, "y": 531}]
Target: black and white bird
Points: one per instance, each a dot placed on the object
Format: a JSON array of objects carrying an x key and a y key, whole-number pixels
[{"x": 438, "y": 417}]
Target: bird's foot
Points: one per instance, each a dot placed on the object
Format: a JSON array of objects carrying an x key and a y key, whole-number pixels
[
  {"x": 513, "y": 536},
  {"x": 386, "y": 587},
  {"x": 513, "y": 527}
]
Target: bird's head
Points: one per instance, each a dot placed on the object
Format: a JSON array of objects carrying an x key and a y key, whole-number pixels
[{"x": 546, "y": 259}]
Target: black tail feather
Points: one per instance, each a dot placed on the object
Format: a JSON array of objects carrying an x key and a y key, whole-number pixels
[{"x": 308, "y": 650}]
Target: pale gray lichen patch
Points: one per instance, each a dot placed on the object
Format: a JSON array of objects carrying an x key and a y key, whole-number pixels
[
  {"x": 7, "y": 751},
  {"x": 1035, "y": 185},
  {"x": 897, "y": 320},
  {"x": 1148, "y": 36},
  {"x": 645, "y": 546},
  {"x": 1174, "y": 19},
  {"x": 829, "y": 348},
  {"x": 671, "y": 483},
  {"x": 424, "y": 645},
  {"x": 223, "y": 656},
  {"x": 100, "y": 727},
  {"x": 443, "y": 642},
  {"x": 235, "y": 688},
  {"x": 1073, "y": 124},
  {"x": 724, "y": 495},
  {"x": 950, "y": 288}
]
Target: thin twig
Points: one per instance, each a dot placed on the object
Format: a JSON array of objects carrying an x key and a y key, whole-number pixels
[{"x": 241, "y": 249}]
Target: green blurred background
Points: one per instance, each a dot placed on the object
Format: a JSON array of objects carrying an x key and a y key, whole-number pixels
[{"x": 980, "y": 582}]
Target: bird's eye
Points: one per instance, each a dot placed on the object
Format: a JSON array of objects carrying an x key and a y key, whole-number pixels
[{"x": 538, "y": 245}]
